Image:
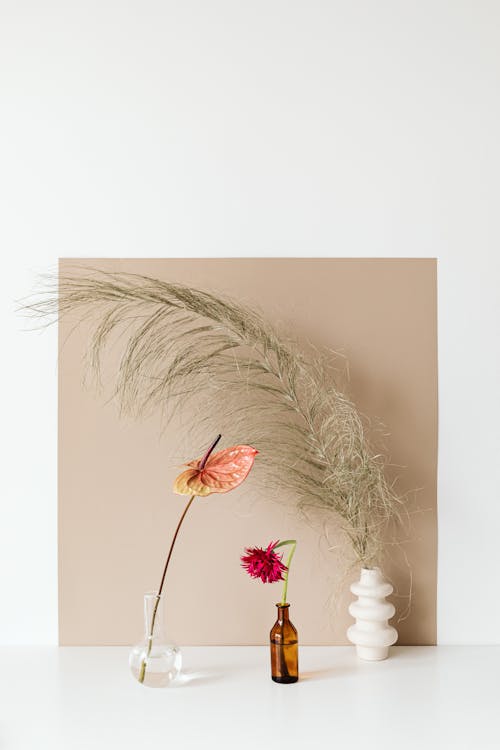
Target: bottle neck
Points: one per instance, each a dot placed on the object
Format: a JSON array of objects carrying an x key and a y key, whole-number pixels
[{"x": 283, "y": 612}]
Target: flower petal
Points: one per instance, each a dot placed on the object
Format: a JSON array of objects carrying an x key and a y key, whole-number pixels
[
  {"x": 228, "y": 468},
  {"x": 228, "y": 458},
  {"x": 189, "y": 483},
  {"x": 263, "y": 563},
  {"x": 222, "y": 472}
]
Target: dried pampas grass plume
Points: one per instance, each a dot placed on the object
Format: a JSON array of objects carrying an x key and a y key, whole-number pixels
[{"x": 180, "y": 343}]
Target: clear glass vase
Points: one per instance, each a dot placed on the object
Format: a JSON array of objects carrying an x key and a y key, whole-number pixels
[{"x": 154, "y": 662}]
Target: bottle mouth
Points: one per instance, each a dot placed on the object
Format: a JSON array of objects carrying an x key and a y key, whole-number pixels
[{"x": 282, "y": 606}]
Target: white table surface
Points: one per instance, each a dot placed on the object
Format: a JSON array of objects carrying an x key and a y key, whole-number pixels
[{"x": 421, "y": 697}]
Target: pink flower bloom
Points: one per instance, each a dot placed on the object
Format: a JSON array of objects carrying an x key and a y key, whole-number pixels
[
  {"x": 263, "y": 563},
  {"x": 216, "y": 472}
]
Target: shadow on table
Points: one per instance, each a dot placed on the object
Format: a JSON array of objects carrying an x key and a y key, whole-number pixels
[
  {"x": 323, "y": 674},
  {"x": 193, "y": 678},
  {"x": 414, "y": 655}
]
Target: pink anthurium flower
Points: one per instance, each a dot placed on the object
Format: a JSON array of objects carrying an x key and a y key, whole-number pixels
[{"x": 216, "y": 473}]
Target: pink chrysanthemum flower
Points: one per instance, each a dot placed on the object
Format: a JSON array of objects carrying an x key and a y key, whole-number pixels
[{"x": 264, "y": 563}]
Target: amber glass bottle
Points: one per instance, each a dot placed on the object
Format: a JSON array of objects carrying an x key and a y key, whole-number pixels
[{"x": 284, "y": 648}]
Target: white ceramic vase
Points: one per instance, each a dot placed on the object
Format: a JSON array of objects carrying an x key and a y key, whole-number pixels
[{"x": 371, "y": 633}]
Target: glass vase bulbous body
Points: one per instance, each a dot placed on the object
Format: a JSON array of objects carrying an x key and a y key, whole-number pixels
[
  {"x": 284, "y": 648},
  {"x": 154, "y": 662}
]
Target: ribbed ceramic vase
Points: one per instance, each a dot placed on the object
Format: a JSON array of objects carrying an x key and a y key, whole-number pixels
[{"x": 372, "y": 633}]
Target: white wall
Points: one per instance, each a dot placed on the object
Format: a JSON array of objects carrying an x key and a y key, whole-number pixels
[{"x": 255, "y": 128}]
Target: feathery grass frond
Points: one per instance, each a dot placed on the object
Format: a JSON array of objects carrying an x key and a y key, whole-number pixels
[{"x": 181, "y": 343}]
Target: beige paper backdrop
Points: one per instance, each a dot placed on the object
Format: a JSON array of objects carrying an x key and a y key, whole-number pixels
[{"x": 116, "y": 509}]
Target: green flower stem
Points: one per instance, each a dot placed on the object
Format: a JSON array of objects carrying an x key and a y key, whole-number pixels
[{"x": 293, "y": 543}]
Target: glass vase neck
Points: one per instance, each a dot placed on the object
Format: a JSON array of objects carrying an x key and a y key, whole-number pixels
[{"x": 153, "y": 615}]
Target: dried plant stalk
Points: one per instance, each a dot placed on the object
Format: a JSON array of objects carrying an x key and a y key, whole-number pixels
[{"x": 183, "y": 343}]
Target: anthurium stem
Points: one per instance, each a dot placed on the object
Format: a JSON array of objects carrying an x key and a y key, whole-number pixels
[
  {"x": 293, "y": 543},
  {"x": 202, "y": 463},
  {"x": 142, "y": 673}
]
